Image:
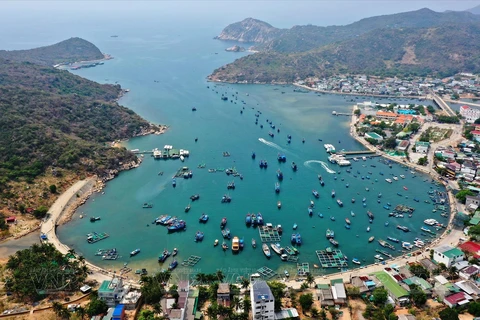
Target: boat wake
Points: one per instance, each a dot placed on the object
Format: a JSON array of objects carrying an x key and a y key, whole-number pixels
[
  {"x": 323, "y": 164},
  {"x": 271, "y": 144}
]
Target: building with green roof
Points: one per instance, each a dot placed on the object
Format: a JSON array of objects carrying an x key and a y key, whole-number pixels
[
  {"x": 397, "y": 292},
  {"x": 475, "y": 219},
  {"x": 448, "y": 255}
]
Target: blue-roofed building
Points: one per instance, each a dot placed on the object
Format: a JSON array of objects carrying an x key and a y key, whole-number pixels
[{"x": 119, "y": 312}]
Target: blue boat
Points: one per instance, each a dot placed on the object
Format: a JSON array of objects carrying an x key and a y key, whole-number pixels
[
  {"x": 378, "y": 201},
  {"x": 253, "y": 155},
  {"x": 165, "y": 254},
  {"x": 203, "y": 218},
  {"x": 199, "y": 236},
  {"x": 163, "y": 220},
  {"x": 248, "y": 219},
  {"x": 364, "y": 205},
  {"x": 386, "y": 224},
  {"x": 177, "y": 226},
  {"x": 259, "y": 219},
  {"x": 293, "y": 239},
  {"x": 174, "y": 182},
  {"x": 281, "y": 158},
  {"x": 298, "y": 239},
  {"x": 310, "y": 211},
  {"x": 416, "y": 200},
  {"x": 241, "y": 242},
  {"x": 364, "y": 199},
  {"x": 294, "y": 166},
  {"x": 380, "y": 195},
  {"x": 277, "y": 187},
  {"x": 381, "y": 173},
  {"x": 322, "y": 183},
  {"x": 347, "y": 226},
  {"x": 173, "y": 265},
  {"x": 399, "y": 194},
  {"x": 356, "y": 261},
  {"x": 295, "y": 226},
  {"x": 386, "y": 207},
  {"x": 279, "y": 175},
  {"x": 347, "y": 185},
  {"x": 263, "y": 164},
  {"x": 320, "y": 215}
]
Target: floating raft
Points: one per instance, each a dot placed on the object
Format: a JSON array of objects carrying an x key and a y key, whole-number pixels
[
  {"x": 191, "y": 261},
  {"x": 303, "y": 268},
  {"x": 267, "y": 273},
  {"x": 331, "y": 258},
  {"x": 269, "y": 234},
  {"x": 292, "y": 258},
  {"x": 95, "y": 237}
]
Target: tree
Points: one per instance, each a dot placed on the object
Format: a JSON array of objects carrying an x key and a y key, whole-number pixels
[
  {"x": 60, "y": 311},
  {"x": 353, "y": 292},
  {"x": 147, "y": 315},
  {"x": 422, "y": 161},
  {"x": 219, "y": 275},
  {"x": 417, "y": 295},
  {"x": 322, "y": 315},
  {"x": 420, "y": 271},
  {"x": 390, "y": 143},
  {"x": 245, "y": 283},
  {"x": 452, "y": 272},
  {"x": 80, "y": 312},
  {"x": 462, "y": 195},
  {"x": 474, "y": 308},
  {"x": 357, "y": 112},
  {"x": 306, "y": 301},
  {"x": 414, "y": 126},
  {"x": 380, "y": 296},
  {"x": 95, "y": 307},
  {"x": 40, "y": 212},
  {"x": 310, "y": 279},
  {"x": 334, "y": 313},
  {"x": 53, "y": 188},
  {"x": 314, "y": 313},
  {"x": 152, "y": 289},
  {"x": 448, "y": 314},
  {"x": 277, "y": 289}
]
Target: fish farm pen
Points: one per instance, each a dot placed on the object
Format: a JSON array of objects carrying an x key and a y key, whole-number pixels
[
  {"x": 401, "y": 208},
  {"x": 95, "y": 237},
  {"x": 191, "y": 261},
  {"x": 303, "y": 268},
  {"x": 331, "y": 258},
  {"x": 267, "y": 273},
  {"x": 269, "y": 234}
]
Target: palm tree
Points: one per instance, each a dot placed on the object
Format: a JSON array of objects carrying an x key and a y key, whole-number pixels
[
  {"x": 80, "y": 311},
  {"x": 245, "y": 283},
  {"x": 219, "y": 275},
  {"x": 452, "y": 272},
  {"x": 310, "y": 279}
]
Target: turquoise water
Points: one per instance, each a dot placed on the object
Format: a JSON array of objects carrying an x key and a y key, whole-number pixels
[{"x": 166, "y": 75}]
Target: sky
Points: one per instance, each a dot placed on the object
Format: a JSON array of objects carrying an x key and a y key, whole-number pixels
[{"x": 283, "y": 14}]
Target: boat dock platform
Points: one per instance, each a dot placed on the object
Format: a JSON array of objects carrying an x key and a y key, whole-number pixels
[
  {"x": 353, "y": 152},
  {"x": 269, "y": 234},
  {"x": 303, "y": 268},
  {"x": 384, "y": 253},
  {"x": 95, "y": 237},
  {"x": 331, "y": 258},
  {"x": 335, "y": 113},
  {"x": 267, "y": 273},
  {"x": 292, "y": 258},
  {"x": 191, "y": 261}
]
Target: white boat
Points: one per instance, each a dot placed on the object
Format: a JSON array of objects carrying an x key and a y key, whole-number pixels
[
  {"x": 430, "y": 222},
  {"x": 356, "y": 261},
  {"x": 364, "y": 158},
  {"x": 388, "y": 180},
  {"x": 406, "y": 245},
  {"x": 182, "y": 158},
  {"x": 378, "y": 257},
  {"x": 402, "y": 176},
  {"x": 395, "y": 178}
]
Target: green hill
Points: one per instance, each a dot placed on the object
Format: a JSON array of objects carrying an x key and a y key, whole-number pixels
[
  {"x": 71, "y": 50},
  {"x": 442, "y": 50}
]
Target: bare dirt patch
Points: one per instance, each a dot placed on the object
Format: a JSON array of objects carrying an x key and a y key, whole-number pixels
[{"x": 409, "y": 57}]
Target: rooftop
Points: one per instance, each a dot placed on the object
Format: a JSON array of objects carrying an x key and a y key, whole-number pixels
[
  {"x": 452, "y": 253},
  {"x": 390, "y": 284},
  {"x": 261, "y": 290},
  {"x": 223, "y": 288}
]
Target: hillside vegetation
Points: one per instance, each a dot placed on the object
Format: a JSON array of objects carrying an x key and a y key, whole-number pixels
[{"x": 71, "y": 50}]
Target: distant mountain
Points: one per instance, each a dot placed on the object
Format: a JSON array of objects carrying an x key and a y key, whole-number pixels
[
  {"x": 249, "y": 30},
  {"x": 442, "y": 50},
  {"x": 71, "y": 50},
  {"x": 304, "y": 38},
  {"x": 474, "y": 10}
]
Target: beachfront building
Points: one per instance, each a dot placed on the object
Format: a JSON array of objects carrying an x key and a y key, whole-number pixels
[
  {"x": 386, "y": 115},
  {"x": 223, "y": 294},
  {"x": 448, "y": 255},
  {"x": 403, "y": 145},
  {"x": 262, "y": 301},
  {"x": 113, "y": 291},
  {"x": 421, "y": 147},
  {"x": 399, "y": 294},
  {"x": 469, "y": 114}
]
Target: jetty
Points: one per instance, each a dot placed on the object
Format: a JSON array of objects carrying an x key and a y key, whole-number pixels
[
  {"x": 353, "y": 152},
  {"x": 384, "y": 253},
  {"x": 335, "y": 113},
  {"x": 331, "y": 258},
  {"x": 268, "y": 234}
]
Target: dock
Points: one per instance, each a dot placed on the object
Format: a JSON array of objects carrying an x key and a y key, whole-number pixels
[
  {"x": 335, "y": 113},
  {"x": 267, "y": 273},
  {"x": 303, "y": 268},
  {"x": 269, "y": 234},
  {"x": 353, "y": 152},
  {"x": 384, "y": 253},
  {"x": 191, "y": 261},
  {"x": 292, "y": 258},
  {"x": 331, "y": 258}
]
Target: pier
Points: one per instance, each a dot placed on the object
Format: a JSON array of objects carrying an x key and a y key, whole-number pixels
[
  {"x": 335, "y": 113},
  {"x": 331, "y": 258},
  {"x": 358, "y": 152}
]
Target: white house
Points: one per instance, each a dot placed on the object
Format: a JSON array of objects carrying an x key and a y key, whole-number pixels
[
  {"x": 421, "y": 146},
  {"x": 112, "y": 292},
  {"x": 448, "y": 255},
  {"x": 262, "y": 301},
  {"x": 469, "y": 114}
]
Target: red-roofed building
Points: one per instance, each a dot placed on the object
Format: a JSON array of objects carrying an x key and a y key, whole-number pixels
[
  {"x": 475, "y": 134},
  {"x": 361, "y": 118},
  {"x": 471, "y": 247},
  {"x": 457, "y": 299},
  {"x": 11, "y": 219},
  {"x": 469, "y": 114},
  {"x": 386, "y": 115}
]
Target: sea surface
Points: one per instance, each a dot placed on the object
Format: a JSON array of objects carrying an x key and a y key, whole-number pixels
[{"x": 166, "y": 74}]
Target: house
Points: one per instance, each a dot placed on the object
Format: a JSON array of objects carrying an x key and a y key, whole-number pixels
[
  {"x": 290, "y": 313},
  {"x": 363, "y": 283},
  {"x": 112, "y": 292},
  {"x": 119, "y": 312},
  {"x": 476, "y": 134},
  {"x": 11, "y": 219},
  {"x": 131, "y": 299},
  {"x": 447, "y": 255},
  {"x": 339, "y": 294},
  {"x": 262, "y": 301},
  {"x": 469, "y": 287},
  {"x": 403, "y": 145},
  {"x": 457, "y": 299},
  {"x": 471, "y": 247},
  {"x": 325, "y": 295},
  {"x": 397, "y": 292},
  {"x": 223, "y": 294},
  {"x": 421, "y": 146},
  {"x": 386, "y": 115},
  {"x": 469, "y": 114},
  {"x": 472, "y": 202}
]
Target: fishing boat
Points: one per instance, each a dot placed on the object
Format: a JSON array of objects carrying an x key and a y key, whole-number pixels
[
  {"x": 279, "y": 175},
  {"x": 371, "y": 239},
  {"x": 187, "y": 208},
  {"x": 312, "y": 204},
  {"x": 134, "y": 252},
  {"x": 241, "y": 243},
  {"x": 378, "y": 257},
  {"x": 266, "y": 250},
  {"x": 329, "y": 234},
  {"x": 174, "y": 252},
  {"x": 281, "y": 158},
  {"x": 393, "y": 239},
  {"x": 352, "y": 213},
  {"x": 231, "y": 185},
  {"x": 173, "y": 265},
  {"x": 322, "y": 183},
  {"x": 347, "y": 185},
  {"x": 290, "y": 250},
  {"x": 319, "y": 177},
  {"x": 364, "y": 199},
  {"x": 226, "y": 233},
  {"x": 285, "y": 272},
  {"x": 279, "y": 204},
  {"x": 194, "y": 197},
  {"x": 332, "y": 218},
  {"x": 277, "y": 187},
  {"x": 223, "y": 223},
  {"x": 298, "y": 239},
  {"x": 248, "y": 219},
  {"x": 340, "y": 203},
  {"x": 403, "y": 228},
  {"x": 254, "y": 243},
  {"x": 395, "y": 178},
  {"x": 199, "y": 236},
  {"x": 163, "y": 219},
  {"x": 93, "y": 219},
  {"x": 174, "y": 182},
  {"x": 386, "y": 223},
  {"x": 368, "y": 229},
  {"x": 253, "y": 155},
  {"x": 310, "y": 211},
  {"x": 294, "y": 166},
  {"x": 165, "y": 254},
  {"x": 320, "y": 215},
  {"x": 203, "y": 218},
  {"x": 293, "y": 238},
  {"x": 259, "y": 219},
  {"x": 235, "y": 244},
  {"x": 224, "y": 246},
  {"x": 333, "y": 193},
  {"x": 333, "y": 242},
  {"x": 356, "y": 261},
  {"x": 388, "y": 180},
  {"x": 254, "y": 219},
  {"x": 370, "y": 215},
  {"x": 405, "y": 188},
  {"x": 177, "y": 226},
  {"x": 315, "y": 194},
  {"x": 347, "y": 226},
  {"x": 147, "y": 206},
  {"x": 347, "y": 220},
  {"x": 279, "y": 229},
  {"x": 379, "y": 195},
  {"x": 353, "y": 200},
  {"x": 226, "y": 199},
  {"x": 295, "y": 226},
  {"x": 407, "y": 245},
  {"x": 271, "y": 134},
  {"x": 276, "y": 248},
  {"x": 215, "y": 243}
]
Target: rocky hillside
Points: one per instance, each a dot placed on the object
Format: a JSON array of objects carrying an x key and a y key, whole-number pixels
[
  {"x": 250, "y": 30},
  {"x": 443, "y": 50},
  {"x": 71, "y": 50}
]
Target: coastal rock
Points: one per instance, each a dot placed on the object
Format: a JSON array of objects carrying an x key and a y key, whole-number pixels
[
  {"x": 235, "y": 49},
  {"x": 250, "y": 30}
]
